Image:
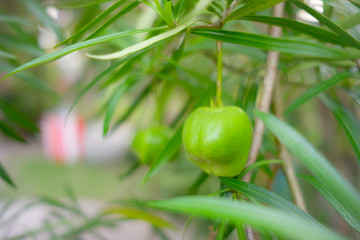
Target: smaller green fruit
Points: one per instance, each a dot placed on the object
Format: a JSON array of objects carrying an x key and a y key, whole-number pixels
[
  {"x": 149, "y": 143},
  {"x": 218, "y": 139}
]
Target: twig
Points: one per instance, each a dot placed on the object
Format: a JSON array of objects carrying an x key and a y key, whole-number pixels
[{"x": 269, "y": 80}]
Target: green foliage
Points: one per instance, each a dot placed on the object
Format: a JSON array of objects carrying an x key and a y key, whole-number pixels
[{"x": 164, "y": 67}]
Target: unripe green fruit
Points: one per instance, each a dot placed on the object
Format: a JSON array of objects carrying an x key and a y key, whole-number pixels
[
  {"x": 149, "y": 143},
  {"x": 218, "y": 139}
]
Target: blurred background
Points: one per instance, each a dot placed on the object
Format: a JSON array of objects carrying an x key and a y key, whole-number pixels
[{"x": 70, "y": 180}]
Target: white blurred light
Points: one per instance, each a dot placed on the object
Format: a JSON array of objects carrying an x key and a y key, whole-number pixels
[
  {"x": 53, "y": 12},
  {"x": 304, "y": 16}
]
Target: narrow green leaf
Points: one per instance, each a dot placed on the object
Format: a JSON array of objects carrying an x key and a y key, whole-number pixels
[
  {"x": 10, "y": 131},
  {"x": 327, "y": 22},
  {"x": 78, "y": 3},
  {"x": 265, "y": 196},
  {"x": 283, "y": 45},
  {"x": 258, "y": 164},
  {"x": 196, "y": 10},
  {"x": 196, "y": 185},
  {"x": 124, "y": 11},
  {"x": 221, "y": 230},
  {"x": 39, "y": 12},
  {"x": 141, "y": 45},
  {"x": 93, "y": 22},
  {"x": 99, "y": 77},
  {"x": 133, "y": 106},
  {"x": 5, "y": 176},
  {"x": 21, "y": 44},
  {"x": 171, "y": 148},
  {"x": 347, "y": 121},
  {"x": 169, "y": 14},
  {"x": 316, "y": 89},
  {"x": 251, "y": 7},
  {"x": 266, "y": 218},
  {"x": 17, "y": 117},
  {"x": 315, "y": 32},
  {"x": 111, "y": 106},
  {"x": 72, "y": 48},
  {"x": 349, "y": 22},
  {"x": 240, "y": 232},
  {"x": 18, "y": 20},
  {"x": 134, "y": 213},
  {"x": 312, "y": 160},
  {"x": 4, "y": 54},
  {"x": 338, "y": 205}
]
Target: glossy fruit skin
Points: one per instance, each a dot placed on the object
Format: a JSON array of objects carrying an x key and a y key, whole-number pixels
[
  {"x": 218, "y": 139},
  {"x": 149, "y": 143}
]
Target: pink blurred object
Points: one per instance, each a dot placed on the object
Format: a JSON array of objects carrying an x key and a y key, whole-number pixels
[{"x": 63, "y": 139}]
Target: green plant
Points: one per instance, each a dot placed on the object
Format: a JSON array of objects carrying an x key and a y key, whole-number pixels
[{"x": 297, "y": 76}]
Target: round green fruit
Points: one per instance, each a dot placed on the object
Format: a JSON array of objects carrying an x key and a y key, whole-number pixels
[
  {"x": 218, "y": 139},
  {"x": 149, "y": 143}
]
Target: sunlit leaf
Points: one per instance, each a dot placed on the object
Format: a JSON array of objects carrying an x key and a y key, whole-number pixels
[
  {"x": 313, "y": 161},
  {"x": 265, "y": 218},
  {"x": 140, "y": 214},
  {"x": 316, "y": 89},
  {"x": 141, "y": 45}
]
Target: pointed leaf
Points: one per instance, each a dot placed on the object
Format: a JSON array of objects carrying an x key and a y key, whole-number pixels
[
  {"x": 258, "y": 164},
  {"x": 315, "y": 32},
  {"x": 124, "y": 11},
  {"x": 347, "y": 121},
  {"x": 17, "y": 117},
  {"x": 348, "y": 216},
  {"x": 93, "y": 22},
  {"x": 251, "y": 7},
  {"x": 266, "y": 218},
  {"x": 327, "y": 22},
  {"x": 10, "y": 131},
  {"x": 111, "y": 106},
  {"x": 283, "y": 45},
  {"x": 141, "y": 45},
  {"x": 5, "y": 176},
  {"x": 316, "y": 89},
  {"x": 313, "y": 161},
  {"x": 72, "y": 48},
  {"x": 265, "y": 196},
  {"x": 141, "y": 214}
]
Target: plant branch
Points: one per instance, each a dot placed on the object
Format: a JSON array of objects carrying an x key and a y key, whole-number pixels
[{"x": 269, "y": 81}]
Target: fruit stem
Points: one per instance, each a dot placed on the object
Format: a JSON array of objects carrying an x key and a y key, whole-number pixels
[{"x": 218, "y": 102}]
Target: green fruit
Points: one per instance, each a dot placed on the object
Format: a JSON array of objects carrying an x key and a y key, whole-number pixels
[
  {"x": 149, "y": 143},
  {"x": 218, "y": 139}
]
